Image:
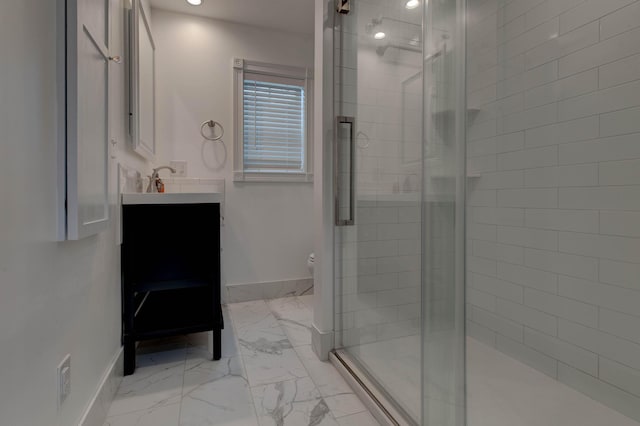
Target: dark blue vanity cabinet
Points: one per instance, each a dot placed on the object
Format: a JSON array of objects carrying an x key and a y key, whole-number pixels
[{"x": 170, "y": 273}]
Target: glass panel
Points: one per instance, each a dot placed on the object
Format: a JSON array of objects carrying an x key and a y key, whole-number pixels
[
  {"x": 378, "y": 260},
  {"x": 443, "y": 344}
]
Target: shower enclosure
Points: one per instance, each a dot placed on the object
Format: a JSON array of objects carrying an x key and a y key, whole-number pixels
[
  {"x": 487, "y": 200},
  {"x": 399, "y": 236}
]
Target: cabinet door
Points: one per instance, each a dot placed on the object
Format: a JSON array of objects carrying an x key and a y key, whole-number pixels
[{"x": 87, "y": 117}]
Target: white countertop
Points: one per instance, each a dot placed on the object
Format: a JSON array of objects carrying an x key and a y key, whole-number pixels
[{"x": 172, "y": 198}]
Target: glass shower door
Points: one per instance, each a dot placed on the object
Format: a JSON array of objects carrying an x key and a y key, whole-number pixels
[
  {"x": 378, "y": 109},
  {"x": 399, "y": 184}
]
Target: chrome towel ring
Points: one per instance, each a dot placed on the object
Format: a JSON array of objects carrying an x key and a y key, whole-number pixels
[{"x": 211, "y": 125}]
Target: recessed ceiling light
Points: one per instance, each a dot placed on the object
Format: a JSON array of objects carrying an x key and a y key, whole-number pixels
[
  {"x": 412, "y": 4},
  {"x": 194, "y": 2},
  {"x": 379, "y": 35}
]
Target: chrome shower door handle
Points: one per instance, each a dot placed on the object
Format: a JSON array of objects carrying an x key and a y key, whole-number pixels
[{"x": 344, "y": 171}]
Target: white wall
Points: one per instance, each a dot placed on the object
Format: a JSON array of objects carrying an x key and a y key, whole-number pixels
[
  {"x": 554, "y": 246},
  {"x": 55, "y": 298},
  {"x": 267, "y": 233}
]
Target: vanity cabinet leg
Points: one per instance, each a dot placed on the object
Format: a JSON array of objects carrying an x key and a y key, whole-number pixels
[
  {"x": 217, "y": 344},
  {"x": 129, "y": 356}
]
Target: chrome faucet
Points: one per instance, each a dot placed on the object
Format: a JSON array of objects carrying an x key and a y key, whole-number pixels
[{"x": 154, "y": 176}]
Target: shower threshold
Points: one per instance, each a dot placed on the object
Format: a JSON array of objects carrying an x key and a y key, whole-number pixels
[{"x": 386, "y": 412}]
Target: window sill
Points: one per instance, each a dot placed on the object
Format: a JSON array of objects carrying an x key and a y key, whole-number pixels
[{"x": 273, "y": 177}]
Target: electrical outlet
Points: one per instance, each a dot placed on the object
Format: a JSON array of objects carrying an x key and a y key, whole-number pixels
[
  {"x": 180, "y": 167},
  {"x": 64, "y": 379}
]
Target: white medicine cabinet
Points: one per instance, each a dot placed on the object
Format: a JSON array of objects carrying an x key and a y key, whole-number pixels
[{"x": 83, "y": 160}]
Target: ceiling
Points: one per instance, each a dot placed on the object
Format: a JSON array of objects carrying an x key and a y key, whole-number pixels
[{"x": 285, "y": 15}]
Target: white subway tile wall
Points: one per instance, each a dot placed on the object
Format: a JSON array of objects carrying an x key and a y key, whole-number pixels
[
  {"x": 554, "y": 202},
  {"x": 379, "y": 273}
]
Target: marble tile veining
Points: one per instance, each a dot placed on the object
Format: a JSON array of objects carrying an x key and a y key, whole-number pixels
[
  {"x": 265, "y": 346},
  {"x": 267, "y": 352},
  {"x": 268, "y": 375},
  {"x": 307, "y": 299},
  {"x": 326, "y": 377},
  {"x": 157, "y": 382},
  {"x": 361, "y": 419},
  {"x": 294, "y": 316},
  {"x": 225, "y": 401},
  {"x": 200, "y": 370},
  {"x": 293, "y": 402},
  {"x": 268, "y": 290},
  {"x": 345, "y": 404},
  {"x": 264, "y": 368},
  {"x": 251, "y": 316},
  {"x": 164, "y": 415}
]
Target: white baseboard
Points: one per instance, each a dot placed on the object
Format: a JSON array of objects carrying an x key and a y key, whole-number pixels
[
  {"x": 267, "y": 290},
  {"x": 322, "y": 343},
  {"x": 96, "y": 412}
]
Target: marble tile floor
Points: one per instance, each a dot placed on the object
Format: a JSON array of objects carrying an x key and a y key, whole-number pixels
[{"x": 268, "y": 375}]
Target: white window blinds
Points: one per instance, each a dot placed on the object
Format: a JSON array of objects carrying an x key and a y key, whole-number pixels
[{"x": 274, "y": 126}]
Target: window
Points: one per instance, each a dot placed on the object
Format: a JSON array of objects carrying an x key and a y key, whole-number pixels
[{"x": 273, "y": 123}]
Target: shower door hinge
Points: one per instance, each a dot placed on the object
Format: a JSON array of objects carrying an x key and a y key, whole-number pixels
[{"x": 343, "y": 6}]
